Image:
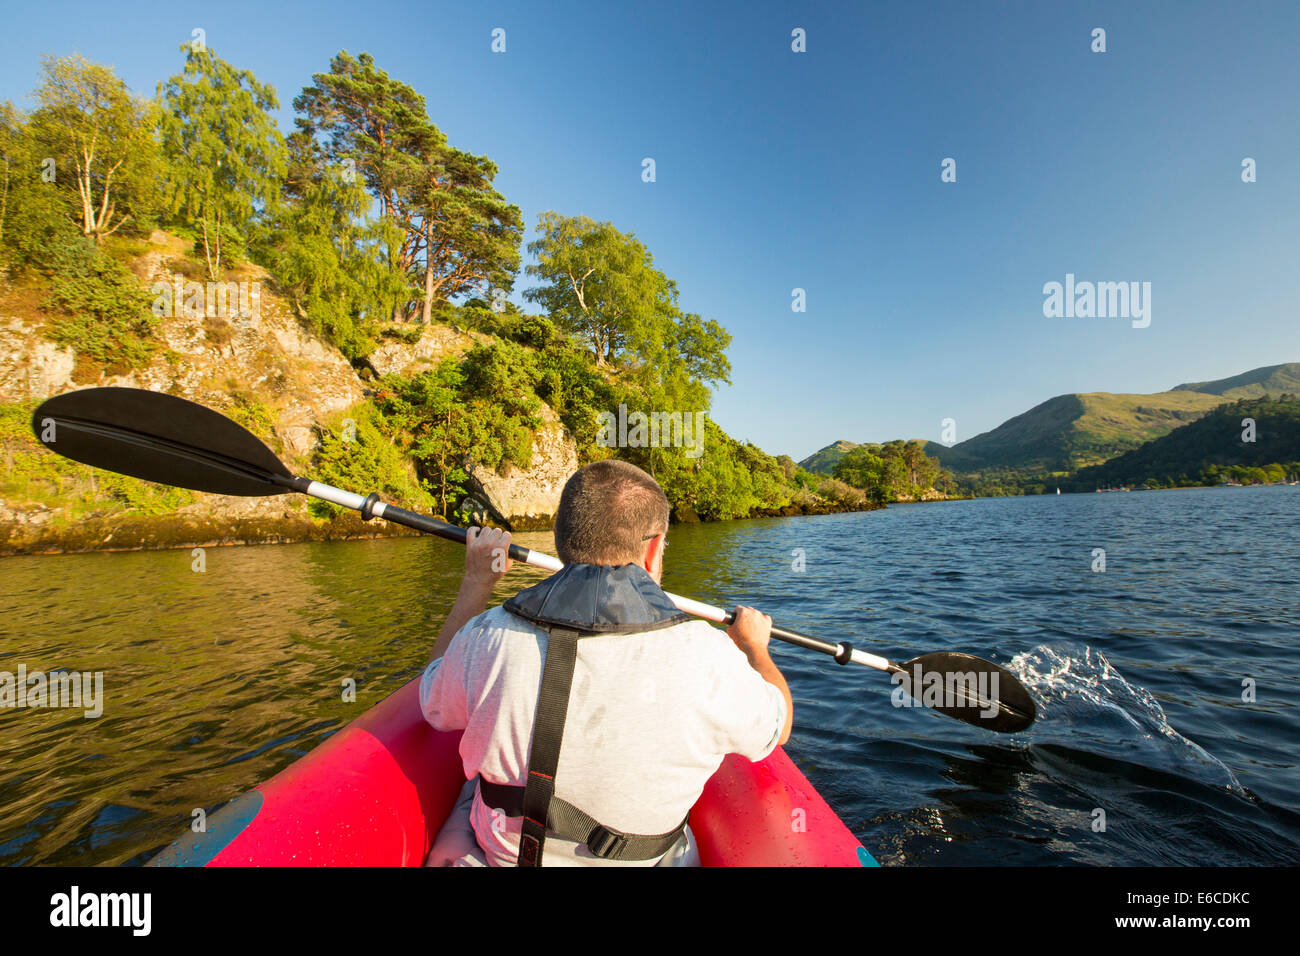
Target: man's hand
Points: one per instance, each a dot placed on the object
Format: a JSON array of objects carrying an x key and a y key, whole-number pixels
[
  {"x": 487, "y": 557},
  {"x": 751, "y": 631}
]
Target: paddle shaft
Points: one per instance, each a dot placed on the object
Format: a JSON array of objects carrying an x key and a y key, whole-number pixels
[{"x": 371, "y": 507}]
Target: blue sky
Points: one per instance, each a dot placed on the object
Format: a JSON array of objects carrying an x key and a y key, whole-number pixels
[{"x": 821, "y": 171}]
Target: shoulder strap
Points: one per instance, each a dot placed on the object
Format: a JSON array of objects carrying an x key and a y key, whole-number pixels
[
  {"x": 541, "y": 809},
  {"x": 548, "y": 732}
]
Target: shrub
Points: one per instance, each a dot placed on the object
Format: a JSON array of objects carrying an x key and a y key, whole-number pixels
[{"x": 101, "y": 310}]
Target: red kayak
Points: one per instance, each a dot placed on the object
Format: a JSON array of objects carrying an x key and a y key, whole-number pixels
[{"x": 377, "y": 793}]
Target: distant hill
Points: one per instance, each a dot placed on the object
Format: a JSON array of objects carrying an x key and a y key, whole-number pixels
[
  {"x": 823, "y": 462},
  {"x": 1199, "y": 450},
  {"x": 1271, "y": 380},
  {"x": 1078, "y": 430},
  {"x": 1072, "y": 431}
]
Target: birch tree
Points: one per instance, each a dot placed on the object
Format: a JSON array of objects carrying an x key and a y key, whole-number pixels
[
  {"x": 101, "y": 135},
  {"x": 226, "y": 155}
]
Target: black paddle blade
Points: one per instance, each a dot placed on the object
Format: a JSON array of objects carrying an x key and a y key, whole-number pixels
[
  {"x": 153, "y": 436},
  {"x": 967, "y": 688}
]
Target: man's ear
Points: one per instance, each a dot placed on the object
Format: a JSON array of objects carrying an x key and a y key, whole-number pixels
[{"x": 653, "y": 547}]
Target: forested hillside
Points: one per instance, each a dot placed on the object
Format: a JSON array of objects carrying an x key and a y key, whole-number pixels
[{"x": 1250, "y": 441}]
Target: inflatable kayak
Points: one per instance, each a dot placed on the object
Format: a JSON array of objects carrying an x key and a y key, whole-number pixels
[{"x": 377, "y": 792}]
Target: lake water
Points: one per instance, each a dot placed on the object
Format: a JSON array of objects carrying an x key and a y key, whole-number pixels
[{"x": 214, "y": 681}]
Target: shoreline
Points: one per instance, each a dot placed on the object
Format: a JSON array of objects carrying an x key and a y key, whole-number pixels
[
  {"x": 173, "y": 532},
  {"x": 126, "y": 533},
  {"x": 133, "y": 532}
]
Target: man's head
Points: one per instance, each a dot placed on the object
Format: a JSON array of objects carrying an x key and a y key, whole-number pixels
[{"x": 612, "y": 513}]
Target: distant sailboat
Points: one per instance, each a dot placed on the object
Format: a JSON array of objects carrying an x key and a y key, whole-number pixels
[{"x": 1058, "y": 491}]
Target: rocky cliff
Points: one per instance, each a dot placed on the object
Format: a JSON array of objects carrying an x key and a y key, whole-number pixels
[
  {"x": 261, "y": 364},
  {"x": 527, "y": 499}
]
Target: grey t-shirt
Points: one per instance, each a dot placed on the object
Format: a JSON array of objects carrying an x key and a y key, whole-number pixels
[{"x": 651, "y": 717}]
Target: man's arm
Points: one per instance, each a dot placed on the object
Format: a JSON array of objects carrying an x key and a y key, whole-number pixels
[
  {"x": 487, "y": 559},
  {"x": 751, "y": 631}
]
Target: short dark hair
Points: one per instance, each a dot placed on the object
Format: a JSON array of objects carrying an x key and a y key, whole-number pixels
[{"x": 607, "y": 511}]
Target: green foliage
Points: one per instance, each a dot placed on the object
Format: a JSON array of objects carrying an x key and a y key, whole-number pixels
[
  {"x": 860, "y": 468},
  {"x": 357, "y": 450},
  {"x": 890, "y": 472},
  {"x": 96, "y": 305},
  {"x": 452, "y": 231},
  {"x": 254, "y": 414},
  {"x": 31, "y": 474},
  {"x": 100, "y": 309},
  {"x": 715, "y": 478},
  {"x": 326, "y": 256},
  {"x": 506, "y": 374},
  {"x": 1210, "y": 450},
  {"x": 100, "y": 139},
  {"x": 37, "y": 230},
  {"x": 226, "y": 156},
  {"x": 482, "y": 410},
  {"x": 601, "y": 285},
  {"x": 839, "y": 493},
  {"x": 578, "y": 394}
]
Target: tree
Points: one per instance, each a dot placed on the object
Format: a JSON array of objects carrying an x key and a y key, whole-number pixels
[
  {"x": 377, "y": 127},
  {"x": 481, "y": 410},
  {"x": 226, "y": 152},
  {"x": 38, "y": 221},
  {"x": 890, "y": 471},
  {"x": 470, "y": 234},
  {"x": 326, "y": 253},
  {"x": 862, "y": 469},
  {"x": 450, "y": 232},
  {"x": 90, "y": 122},
  {"x": 921, "y": 470},
  {"x": 601, "y": 284},
  {"x": 11, "y": 136}
]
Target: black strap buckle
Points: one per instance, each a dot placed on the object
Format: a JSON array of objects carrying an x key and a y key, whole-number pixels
[
  {"x": 529, "y": 850},
  {"x": 604, "y": 842}
]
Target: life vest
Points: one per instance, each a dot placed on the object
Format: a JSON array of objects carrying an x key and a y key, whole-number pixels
[{"x": 579, "y": 601}]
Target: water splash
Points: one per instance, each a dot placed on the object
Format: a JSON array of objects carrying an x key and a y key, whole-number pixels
[{"x": 1082, "y": 698}]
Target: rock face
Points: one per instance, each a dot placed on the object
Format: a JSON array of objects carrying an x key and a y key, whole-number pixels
[
  {"x": 261, "y": 350},
  {"x": 526, "y": 499},
  {"x": 436, "y": 342},
  {"x": 930, "y": 494},
  {"x": 31, "y": 366}
]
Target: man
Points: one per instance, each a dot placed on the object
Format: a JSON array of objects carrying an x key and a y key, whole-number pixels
[{"x": 640, "y": 703}]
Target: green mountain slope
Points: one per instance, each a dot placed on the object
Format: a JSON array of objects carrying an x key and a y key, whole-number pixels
[
  {"x": 1270, "y": 380},
  {"x": 823, "y": 462},
  {"x": 1073, "y": 431},
  {"x": 1078, "y": 430}
]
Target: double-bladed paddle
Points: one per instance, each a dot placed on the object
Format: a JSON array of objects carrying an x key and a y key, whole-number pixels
[{"x": 172, "y": 441}]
